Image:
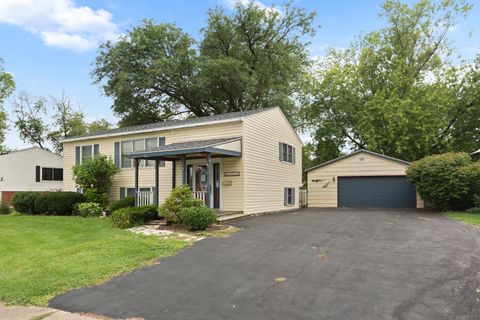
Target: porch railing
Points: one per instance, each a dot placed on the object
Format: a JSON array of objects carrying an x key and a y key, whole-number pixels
[
  {"x": 144, "y": 198},
  {"x": 202, "y": 195},
  {"x": 303, "y": 198}
]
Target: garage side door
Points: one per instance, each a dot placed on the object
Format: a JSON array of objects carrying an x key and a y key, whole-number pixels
[{"x": 381, "y": 192}]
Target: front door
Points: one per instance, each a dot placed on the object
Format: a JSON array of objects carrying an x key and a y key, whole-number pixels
[
  {"x": 201, "y": 178},
  {"x": 216, "y": 185}
]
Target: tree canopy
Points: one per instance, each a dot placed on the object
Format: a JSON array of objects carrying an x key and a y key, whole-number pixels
[
  {"x": 396, "y": 90},
  {"x": 253, "y": 58},
  {"x": 64, "y": 120},
  {"x": 7, "y": 85}
]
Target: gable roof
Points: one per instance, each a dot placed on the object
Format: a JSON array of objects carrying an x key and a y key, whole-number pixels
[
  {"x": 354, "y": 153},
  {"x": 226, "y": 117},
  {"x": 28, "y": 149}
]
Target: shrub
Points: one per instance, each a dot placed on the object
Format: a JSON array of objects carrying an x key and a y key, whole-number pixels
[
  {"x": 447, "y": 181},
  {"x": 24, "y": 202},
  {"x": 122, "y": 203},
  {"x": 197, "y": 218},
  {"x": 4, "y": 208},
  {"x": 133, "y": 216},
  {"x": 180, "y": 197},
  {"x": 474, "y": 210},
  {"x": 95, "y": 177},
  {"x": 93, "y": 195},
  {"x": 58, "y": 203},
  {"x": 89, "y": 209}
]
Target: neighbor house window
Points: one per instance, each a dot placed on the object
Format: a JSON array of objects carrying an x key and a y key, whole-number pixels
[
  {"x": 289, "y": 196},
  {"x": 52, "y": 174},
  {"x": 287, "y": 153},
  {"x": 48, "y": 174},
  {"x": 87, "y": 152},
  {"x": 139, "y": 145}
]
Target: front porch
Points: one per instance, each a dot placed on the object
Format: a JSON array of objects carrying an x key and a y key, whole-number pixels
[{"x": 200, "y": 166}]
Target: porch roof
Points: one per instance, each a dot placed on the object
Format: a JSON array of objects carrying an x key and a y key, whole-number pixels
[{"x": 224, "y": 147}]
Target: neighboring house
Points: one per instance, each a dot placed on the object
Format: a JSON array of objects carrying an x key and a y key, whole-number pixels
[
  {"x": 361, "y": 179},
  {"x": 245, "y": 161},
  {"x": 31, "y": 169}
]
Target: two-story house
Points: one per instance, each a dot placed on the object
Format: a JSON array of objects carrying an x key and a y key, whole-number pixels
[{"x": 246, "y": 162}]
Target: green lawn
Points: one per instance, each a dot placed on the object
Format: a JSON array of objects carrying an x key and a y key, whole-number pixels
[
  {"x": 465, "y": 217},
  {"x": 41, "y": 256}
]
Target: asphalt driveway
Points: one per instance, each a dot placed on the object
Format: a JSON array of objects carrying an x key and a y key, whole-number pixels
[{"x": 308, "y": 264}]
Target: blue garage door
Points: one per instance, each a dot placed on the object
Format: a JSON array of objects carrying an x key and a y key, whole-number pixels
[{"x": 381, "y": 192}]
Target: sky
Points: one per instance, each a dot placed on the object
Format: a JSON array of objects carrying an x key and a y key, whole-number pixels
[{"x": 49, "y": 45}]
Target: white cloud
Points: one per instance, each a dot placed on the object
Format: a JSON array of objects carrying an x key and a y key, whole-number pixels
[
  {"x": 231, "y": 4},
  {"x": 60, "y": 23}
]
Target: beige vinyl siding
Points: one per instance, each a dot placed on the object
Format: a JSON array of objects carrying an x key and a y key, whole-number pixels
[
  {"x": 126, "y": 177},
  {"x": 323, "y": 191},
  {"x": 265, "y": 175}
]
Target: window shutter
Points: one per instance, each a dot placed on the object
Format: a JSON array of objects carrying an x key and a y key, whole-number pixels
[
  {"x": 96, "y": 150},
  {"x": 285, "y": 196},
  {"x": 293, "y": 155},
  {"x": 293, "y": 196},
  {"x": 161, "y": 143},
  {"x": 280, "y": 151},
  {"x": 77, "y": 155},
  {"x": 117, "y": 155},
  {"x": 37, "y": 173},
  {"x": 122, "y": 193}
]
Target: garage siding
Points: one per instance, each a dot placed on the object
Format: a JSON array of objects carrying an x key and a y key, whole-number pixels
[{"x": 322, "y": 191}]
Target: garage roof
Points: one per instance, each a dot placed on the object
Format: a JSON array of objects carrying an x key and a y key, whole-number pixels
[{"x": 354, "y": 153}]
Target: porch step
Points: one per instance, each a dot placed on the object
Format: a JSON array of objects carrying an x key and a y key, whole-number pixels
[
  {"x": 157, "y": 223},
  {"x": 233, "y": 216}
]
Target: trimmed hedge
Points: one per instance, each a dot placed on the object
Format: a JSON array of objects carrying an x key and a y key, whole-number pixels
[
  {"x": 122, "y": 203},
  {"x": 133, "y": 216},
  {"x": 58, "y": 203},
  {"x": 24, "y": 202},
  {"x": 197, "y": 218}
]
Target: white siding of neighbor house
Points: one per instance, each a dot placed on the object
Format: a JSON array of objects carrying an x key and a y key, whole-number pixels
[
  {"x": 324, "y": 192},
  {"x": 17, "y": 170},
  {"x": 231, "y": 198},
  {"x": 265, "y": 175}
]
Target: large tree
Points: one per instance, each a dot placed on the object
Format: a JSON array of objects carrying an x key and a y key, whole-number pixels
[
  {"x": 43, "y": 122},
  {"x": 7, "y": 85},
  {"x": 253, "y": 58},
  {"x": 396, "y": 90}
]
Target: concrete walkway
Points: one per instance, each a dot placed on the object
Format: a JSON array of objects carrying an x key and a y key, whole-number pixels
[{"x": 28, "y": 313}]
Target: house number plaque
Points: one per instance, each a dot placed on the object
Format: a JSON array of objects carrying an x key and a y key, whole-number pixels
[{"x": 231, "y": 173}]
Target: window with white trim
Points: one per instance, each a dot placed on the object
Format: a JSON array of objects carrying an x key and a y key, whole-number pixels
[
  {"x": 289, "y": 196},
  {"x": 86, "y": 152},
  {"x": 137, "y": 145},
  {"x": 287, "y": 153}
]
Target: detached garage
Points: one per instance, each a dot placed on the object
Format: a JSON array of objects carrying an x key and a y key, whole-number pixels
[{"x": 362, "y": 179}]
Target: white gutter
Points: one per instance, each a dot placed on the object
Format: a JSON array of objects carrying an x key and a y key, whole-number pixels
[{"x": 151, "y": 130}]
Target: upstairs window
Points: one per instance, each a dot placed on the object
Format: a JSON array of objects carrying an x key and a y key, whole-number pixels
[
  {"x": 139, "y": 145},
  {"x": 286, "y": 153},
  {"x": 86, "y": 152}
]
